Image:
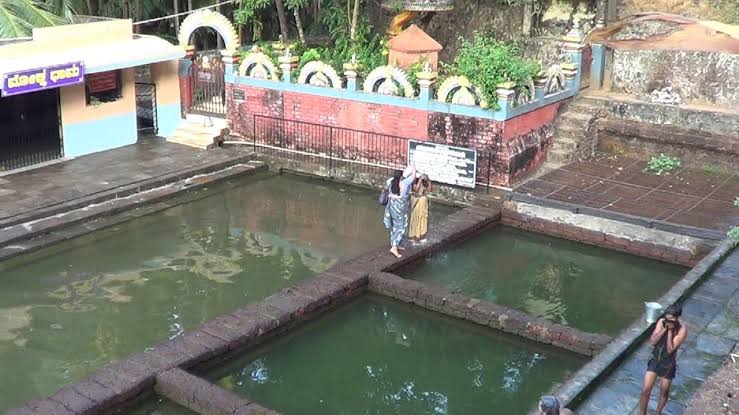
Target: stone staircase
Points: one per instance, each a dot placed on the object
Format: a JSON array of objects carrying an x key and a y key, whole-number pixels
[
  {"x": 574, "y": 132},
  {"x": 200, "y": 132}
]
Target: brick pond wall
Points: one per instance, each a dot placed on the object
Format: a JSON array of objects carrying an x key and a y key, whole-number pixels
[
  {"x": 619, "y": 236},
  {"x": 513, "y": 147}
]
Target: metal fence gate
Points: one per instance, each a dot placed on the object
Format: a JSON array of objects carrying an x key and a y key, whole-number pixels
[
  {"x": 331, "y": 148},
  {"x": 146, "y": 108},
  {"x": 30, "y": 130},
  {"x": 208, "y": 84}
]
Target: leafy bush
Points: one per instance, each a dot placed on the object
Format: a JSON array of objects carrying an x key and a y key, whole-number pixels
[
  {"x": 247, "y": 13},
  {"x": 309, "y": 55},
  {"x": 488, "y": 62},
  {"x": 662, "y": 164},
  {"x": 413, "y": 72},
  {"x": 368, "y": 47}
]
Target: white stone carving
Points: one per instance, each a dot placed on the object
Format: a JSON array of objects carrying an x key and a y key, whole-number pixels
[
  {"x": 260, "y": 66},
  {"x": 555, "y": 80},
  {"x": 388, "y": 80},
  {"x": 459, "y": 90},
  {"x": 319, "y": 73},
  {"x": 214, "y": 20}
]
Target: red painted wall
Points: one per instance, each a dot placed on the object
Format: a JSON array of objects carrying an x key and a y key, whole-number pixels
[{"x": 378, "y": 133}]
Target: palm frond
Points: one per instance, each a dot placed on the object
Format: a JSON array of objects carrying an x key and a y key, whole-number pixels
[
  {"x": 34, "y": 13},
  {"x": 11, "y": 25}
]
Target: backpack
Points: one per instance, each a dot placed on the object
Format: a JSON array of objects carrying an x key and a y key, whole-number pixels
[{"x": 384, "y": 198}]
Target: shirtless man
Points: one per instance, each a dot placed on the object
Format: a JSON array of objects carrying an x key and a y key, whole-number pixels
[{"x": 669, "y": 333}]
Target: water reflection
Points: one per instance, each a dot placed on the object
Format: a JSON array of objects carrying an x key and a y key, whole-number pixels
[
  {"x": 590, "y": 288},
  {"x": 72, "y": 308},
  {"x": 378, "y": 357}
]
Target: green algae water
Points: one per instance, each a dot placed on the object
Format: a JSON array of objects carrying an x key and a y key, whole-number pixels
[
  {"x": 375, "y": 356},
  {"x": 70, "y": 309},
  {"x": 587, "y": 287}
]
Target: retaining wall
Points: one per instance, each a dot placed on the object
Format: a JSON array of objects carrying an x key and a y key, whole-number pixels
[
  {"x": 367, "y": 129},
  {"x": 619, "y": 236}
]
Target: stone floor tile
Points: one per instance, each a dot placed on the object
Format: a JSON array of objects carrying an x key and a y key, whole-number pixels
[
  {"x": 725, "y": 325},
  {"x": 715, "y": 345},
  {"x": 698, "y": 313},
  {"x": 612, "y": 398},
  {"x": 697, "y": 365}
]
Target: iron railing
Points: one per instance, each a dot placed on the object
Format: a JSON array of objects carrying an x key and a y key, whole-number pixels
[
  {"x": 25, "y": 147},
  {"x": 146, "y": 108},
  {"x": 335, "y": 148}
]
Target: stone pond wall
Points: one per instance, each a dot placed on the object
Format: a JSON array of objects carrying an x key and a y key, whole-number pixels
[
  {"x": 699, "y": 77},
  {"x": 701, "y": 137},
  {"x": 609, "y": 233}
]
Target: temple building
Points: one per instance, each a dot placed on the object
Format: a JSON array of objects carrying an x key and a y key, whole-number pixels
[{"x": 85, "y": 87}]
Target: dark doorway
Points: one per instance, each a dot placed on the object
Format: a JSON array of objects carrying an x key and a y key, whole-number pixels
[
  {"x": 30, "y": 132},
  {"x": 146, "y": 108}
]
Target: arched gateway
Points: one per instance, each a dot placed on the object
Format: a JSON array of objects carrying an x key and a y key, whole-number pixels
[{"x": 207, "y": 84}]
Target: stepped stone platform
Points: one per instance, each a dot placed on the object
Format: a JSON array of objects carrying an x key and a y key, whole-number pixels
[
  {"x": 43, "y": 201},
  {"x": 611, "y": 184},
  {"x": 200, "y": 132}
]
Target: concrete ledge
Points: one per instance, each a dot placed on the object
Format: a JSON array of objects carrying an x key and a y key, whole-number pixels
[
  {"x": 204, "y": 397},
  {"x": 666, "y": 134},
  {"x": 630, "y": 237},
  {"x": 582, "y": 382},
  {"x": 19, "y": 233},
  {"x": 488, "y": 314},
  {"x": 621, "y": 217},
  {"x": 122, "y": 191}
]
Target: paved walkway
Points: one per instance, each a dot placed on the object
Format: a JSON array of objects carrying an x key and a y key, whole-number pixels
[
  {"x": 698, "y": 198},
  {"x": 712, "y": 316},
  {"x": 66, "y": 181}
]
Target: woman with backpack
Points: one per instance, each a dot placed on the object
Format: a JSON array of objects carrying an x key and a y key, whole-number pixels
[{"x": 396, "y": 198}]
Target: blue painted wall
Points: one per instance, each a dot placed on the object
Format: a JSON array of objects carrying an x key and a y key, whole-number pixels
[
  {"x": 99, "y": 135},
  {"x": 168, "y": 116}
]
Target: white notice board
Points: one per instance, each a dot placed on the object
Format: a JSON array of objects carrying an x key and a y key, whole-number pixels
[{"x": 444, "y": 164}]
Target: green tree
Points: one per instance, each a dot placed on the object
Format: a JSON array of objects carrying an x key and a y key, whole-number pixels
[{"x": 19, "y": 17}]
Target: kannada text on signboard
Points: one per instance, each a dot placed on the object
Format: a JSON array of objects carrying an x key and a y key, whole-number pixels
[{"x": 444, "y": 164}]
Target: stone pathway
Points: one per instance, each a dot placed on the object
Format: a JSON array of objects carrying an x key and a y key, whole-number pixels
[
  {"x": 712, "y": 316},
  {"x": 718, "y": 395},
  {"x": 698, "y": 198},
  {"x": 43, "y": 187}
]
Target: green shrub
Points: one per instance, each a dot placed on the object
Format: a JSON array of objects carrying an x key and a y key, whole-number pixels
[
  {"x": 367, "y": 47},
  {"x": 488, "y": 62},
  {"x": 662, "y": 164},
  {"x": 413, "y": 72}
]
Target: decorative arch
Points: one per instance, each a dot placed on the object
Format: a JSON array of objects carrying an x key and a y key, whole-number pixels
[
  {"x": 524, "y": 93},
  {"x": 555, "y": 80},
  {"x": 388, "y": 80},
  {"x": 214, "y": 20},
  {"x": 459, "y": 90},
  {"x": 258, "y": 65},
  {"x": 319, "y": 73}
]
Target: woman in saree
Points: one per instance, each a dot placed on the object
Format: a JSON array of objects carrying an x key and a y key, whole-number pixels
[
  {"x": 398, "y": 207},
  {"x": 419, "y": 222}
]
